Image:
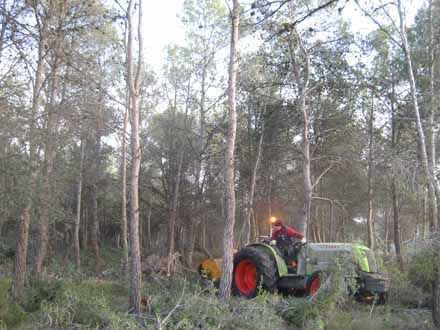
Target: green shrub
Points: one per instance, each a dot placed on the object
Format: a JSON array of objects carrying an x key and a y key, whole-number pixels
[
  {"x": 7, "y": 250},
  {"x": 11, "y": 313},
  {"x": 41, "y": 290},
  {"x": 178, "y": 305},
  {"x": 367, "y": 317},
  {"x": 423, "y": 265},
  {"x": 403, "y": 291},
  {"x": 83, "y": 307},
  {"x": 298, "y": 311}
]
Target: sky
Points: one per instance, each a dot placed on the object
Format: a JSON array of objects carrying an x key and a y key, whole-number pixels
[{"x": 162, "y": 26}]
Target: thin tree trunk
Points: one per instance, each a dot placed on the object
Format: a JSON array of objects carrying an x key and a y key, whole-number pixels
[
  {"x": 149, "y": 236},
  {"x": 431, "y": 179},
  {"x": 123, "y": 237},
  {"x": 370, "y": 220},
  {"x": 20, "y": 264},
  {"x": 386, "y": 225},
  {"x": 394, "y": 196},
  {"x": 425, "y": 214},
  {"x": 134, "y": 83},
  {"x": 228, "y": 235},
  {"x": 204, "y": 235},
  {"x": 173, "y": 213},
  {"x": 194, "y": 225},
  {"x": 250, "y": 205},
  {"x": 77, "y": 223},
  {"x": 396, "y": 222},
  {"x": 85, "y": 227},
  {"x": 94, "y": 229},
  {"x": 436, "y": 299}
]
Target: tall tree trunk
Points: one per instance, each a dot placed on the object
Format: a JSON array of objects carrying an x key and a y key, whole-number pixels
[
  {"x": 123, "y": 237},
  {"x": 20, "y": 266},
  {"x": 250, "y": 205},
  {"x": 77, "y": 223},
  {"x": 370, "y": 220},
  {"x": 302, "y": 78},
  {"x": 228, "y": 235},
  {"x": 173, "y": 213},
  {"x": 134, "y": 83},
  {"x": 49, "y": 158},
  {"x": 94, "y": 226},
  {"x": 432, "y": 131},
  {"x": 431, "y": 179},
  {"x": 394, "y": 196}
]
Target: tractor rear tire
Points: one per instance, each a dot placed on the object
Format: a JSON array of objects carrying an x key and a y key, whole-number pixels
[{"x": 253, "y": 269}]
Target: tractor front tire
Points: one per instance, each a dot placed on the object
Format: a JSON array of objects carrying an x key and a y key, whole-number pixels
[
  {"x": 253, "y": 269},
  {"x": 314, "y": 283}
]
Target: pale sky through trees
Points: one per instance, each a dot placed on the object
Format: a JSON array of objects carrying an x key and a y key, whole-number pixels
[{"x": 162, "y": 25}]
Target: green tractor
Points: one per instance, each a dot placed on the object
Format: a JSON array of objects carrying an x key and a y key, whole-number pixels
[{"x": 262, "y": 265}]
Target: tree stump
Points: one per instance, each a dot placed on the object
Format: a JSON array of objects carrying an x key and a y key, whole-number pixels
[{"x": 436, "y": 304}]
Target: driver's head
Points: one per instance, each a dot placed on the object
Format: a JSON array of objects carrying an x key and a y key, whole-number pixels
[{"x": 277, "y": 225}]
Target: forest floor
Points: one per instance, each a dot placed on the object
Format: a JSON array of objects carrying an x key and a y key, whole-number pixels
[{"x": 65, "y": 299}]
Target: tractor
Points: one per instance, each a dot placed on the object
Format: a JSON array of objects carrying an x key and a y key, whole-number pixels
[{"x": 263, "y": 265}]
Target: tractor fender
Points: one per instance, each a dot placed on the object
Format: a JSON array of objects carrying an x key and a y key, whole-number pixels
[{"x": 279, "y": 261}]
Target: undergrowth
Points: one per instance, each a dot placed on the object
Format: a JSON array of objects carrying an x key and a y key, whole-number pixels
[{"x": 71, "y": 300}]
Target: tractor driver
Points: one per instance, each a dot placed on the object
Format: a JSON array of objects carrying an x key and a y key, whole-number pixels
[{"x": 283, "y": 237}]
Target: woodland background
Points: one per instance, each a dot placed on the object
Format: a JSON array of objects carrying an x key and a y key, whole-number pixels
[{"x": 325, "y": 116}]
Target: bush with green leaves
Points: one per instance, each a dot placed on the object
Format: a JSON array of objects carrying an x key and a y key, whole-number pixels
[
  {"x": 336, "y": 286},
  {"x": 86, "y": 306},
  {"x": 11, "y": 313},
  {"x": 179, "y": 305},
  {"x": 403, "y": 291},
  {"x": 423, "y": 264},
  {"x": 41, "y": 290},
  {"x": 366, "y": 317}
]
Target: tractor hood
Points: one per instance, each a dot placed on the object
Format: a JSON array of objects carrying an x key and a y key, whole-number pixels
[{"x": 361, "y": 255}]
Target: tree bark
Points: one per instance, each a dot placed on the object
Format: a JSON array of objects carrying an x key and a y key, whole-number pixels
[
  {"x": 94, "y": 228},
  {"x": 77, "y": 223},
  {"x": 123, "y": 237},
  {"x": 149, "y": 236},
  {"x": 134, "y": 83},
  {"x": 49, "y": 157},
  {"x": 370, "y": 220},
  {"x": 302, "y": 82},
  {"x": 20, "y": 264},
  {"x": 386, "y": 225},
  {"x": 396, "y": 223},
  {"x": 436, "y": 299},
  {"x": 433, "y": 125},
  {"x": 250, "y": 205},
  {"x": 3, "y": 26},
  {"x": 173, "y": 212},
  {"x": 228, "y": 235},
  {"x": 431, "y": 179}
]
